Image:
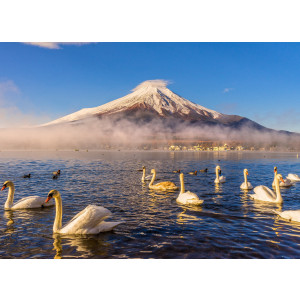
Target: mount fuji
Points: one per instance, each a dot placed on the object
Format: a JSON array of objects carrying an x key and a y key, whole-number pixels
[{"x": 152, "y": 100}]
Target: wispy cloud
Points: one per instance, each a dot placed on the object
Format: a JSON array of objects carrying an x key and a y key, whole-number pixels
[
  {"x": 227, "y": 90},
  {"x": 10, "y": 114},
  {"x": 54, "y": 45},
  {"x": 8, "y": 86}
]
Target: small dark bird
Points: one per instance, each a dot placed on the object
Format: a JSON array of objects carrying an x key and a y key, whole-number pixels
[
  {"x": 178, "y": 171},
  {"x": 27, "y": 175},
  {"x": 204, "y": 170},
  {"x": 193, "y": 173},
  {"x": 56, "y": 173}
]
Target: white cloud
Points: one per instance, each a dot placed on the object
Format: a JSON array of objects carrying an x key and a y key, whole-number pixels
[
  {"x": 157, "y": 83},
  {"x": 54, "y": 45},
  {"x": 227, "y": 90}
]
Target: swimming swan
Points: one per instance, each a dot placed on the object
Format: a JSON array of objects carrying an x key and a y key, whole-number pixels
[
  {"x": 219, "y": 179},
  {"x": 293, "y": 177},
  {"x": 263, "y": 193},
  {"x": 246, "y": 185},
  {"x": 187, "y": 197},
  {"x": 284, "y": 183},
  {"x": 163, "y": 186},
  {"x": 24, "y": 203},
  {"x": 144, "y": 177},
  {"x": 88, "y": 221}
]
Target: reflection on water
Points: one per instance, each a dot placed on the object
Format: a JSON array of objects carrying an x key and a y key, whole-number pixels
[
  {"x": 187, "y": 214},
  {"x": 229, "y": 224},
  {"x": 57, "y": 246}
]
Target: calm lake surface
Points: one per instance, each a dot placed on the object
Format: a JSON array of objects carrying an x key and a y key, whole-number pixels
[{"x": 228, "y": 225}]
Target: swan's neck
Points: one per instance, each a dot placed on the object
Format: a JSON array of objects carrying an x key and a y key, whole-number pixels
[
  {"x": 153, "y": 178},
  {"x": 144, "y": 175},
  {"x": 217, "y": 174},
  {"x": 278, "y": 193},
  {"x": 10, "y": 197},
  {"x": 182, "y": 189},
  {"x": 58, "y": 215},
  {"x": 245, "y": 176}
]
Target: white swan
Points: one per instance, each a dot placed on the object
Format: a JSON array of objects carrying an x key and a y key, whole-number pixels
[
  {"x": 246, "y": 185},
  {"x": 88, "y": 221},
  {"x": 219, "y": 179},
  {"x": 263, "y": 193},
  {"x": 144, "y": 177},
  {"x": 187, "y": 197},
  {"x": 24, "y": 203},
  {"x": 164, "y": 186},
  {"x": 291, "y": 215},
  {"x": 284, "y": 183},
  {"x": 293, "y": 177}
]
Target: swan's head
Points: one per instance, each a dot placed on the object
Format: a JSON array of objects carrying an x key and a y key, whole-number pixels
[
  {"x": 52, "y": 194},
  {"x": 181, "y": 176},
  {"x": 218, "y": 168},
  {"x": 6, "y": 184},
  {"x": 153, "y": 171},
  {"x": 279, "y": 177},
  {"x": 143, "y": 167},
  {"x": 275, "y": 169},
  {"x": 246, "y": 172}
]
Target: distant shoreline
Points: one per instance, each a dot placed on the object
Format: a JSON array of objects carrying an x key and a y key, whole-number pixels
[{"x": 150, "y": 150}]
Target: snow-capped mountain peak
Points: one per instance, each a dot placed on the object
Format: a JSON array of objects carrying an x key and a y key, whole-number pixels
[{"x": 150, "y": 95}]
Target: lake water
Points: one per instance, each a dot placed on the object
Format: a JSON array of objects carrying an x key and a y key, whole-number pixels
[{"x": 228, "y": 224}]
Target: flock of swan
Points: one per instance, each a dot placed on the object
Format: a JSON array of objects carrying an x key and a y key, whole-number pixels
[
  {"x": 261, "y": 192},
  {"x": 91, "y": 220}
]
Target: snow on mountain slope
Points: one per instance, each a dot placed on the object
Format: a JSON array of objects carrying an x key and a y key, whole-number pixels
[{"x": 151, "y": 94}]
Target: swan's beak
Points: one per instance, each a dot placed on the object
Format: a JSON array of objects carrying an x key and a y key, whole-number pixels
[
  {"x": 3, "y": 188},
  {"x": 282, "y": 179},
  {"x": 247, "y": 173},
  {"x": 48, "y": 198}
]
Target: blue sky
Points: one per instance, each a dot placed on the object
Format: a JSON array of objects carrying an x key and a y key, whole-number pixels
[{"x": 256, "y": 80}]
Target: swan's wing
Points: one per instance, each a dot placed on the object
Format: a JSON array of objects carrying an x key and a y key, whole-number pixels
[
  {"x": 166, "y": 185},
  {"x": 263, "y": 193},
  {"x": 104, "y": 227},
  {"x": 243, "y": 186},
  {"x": 247, "y": 186},
  {"x": 222, "y": 178},
  {"x": 32, "y": 202},
  {"x": 86, "y": 220},
  {"x": 189, "y": 198},
  {"x": 250, "y": 186},
  {"x": 293, "y": 177}
]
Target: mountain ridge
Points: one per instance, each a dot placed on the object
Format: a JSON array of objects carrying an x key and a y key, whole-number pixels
[
  {"x": 153, "y": 101},
  {"x": 151, "y": 95}
]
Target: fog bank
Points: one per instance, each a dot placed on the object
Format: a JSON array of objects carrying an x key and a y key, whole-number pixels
[{"x": 97, "y": 134}]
